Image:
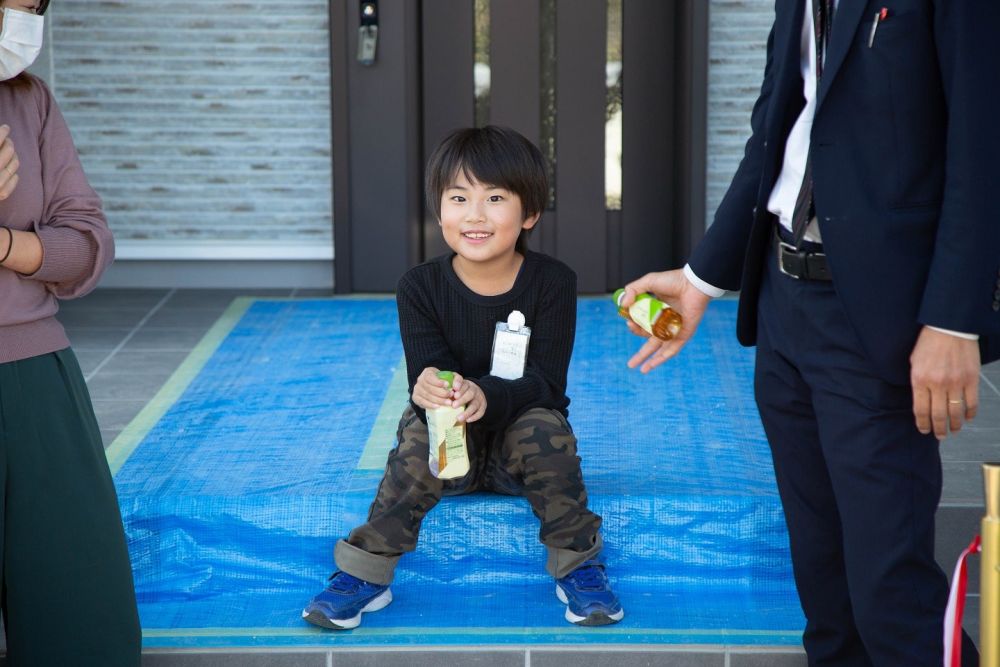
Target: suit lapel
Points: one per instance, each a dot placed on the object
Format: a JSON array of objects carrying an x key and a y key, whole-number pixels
[
  {"x": 790, "y": 28},
  {"x": 845, "y": 25},
  {"x": 786, "y": 58}
]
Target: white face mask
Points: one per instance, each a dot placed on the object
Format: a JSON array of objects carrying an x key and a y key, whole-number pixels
[{"x": 20, "y": 41}]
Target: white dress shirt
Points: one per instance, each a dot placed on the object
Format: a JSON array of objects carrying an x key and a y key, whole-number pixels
[
  {"x": 786, "y": 188},
  {"x": 793, "y": 169}
]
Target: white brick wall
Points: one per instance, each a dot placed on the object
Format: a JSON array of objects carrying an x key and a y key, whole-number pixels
[
  {"x": 205, "y": 123},
  {"x": 737, "y": 40}
]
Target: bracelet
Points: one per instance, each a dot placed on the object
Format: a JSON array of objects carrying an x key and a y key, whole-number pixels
[{"x": 10, "y": 244}]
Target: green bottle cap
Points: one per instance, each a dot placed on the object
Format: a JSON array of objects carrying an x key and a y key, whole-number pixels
[
  {"x": 619, "y": 294},
  {"x": 447, "y": 376}
]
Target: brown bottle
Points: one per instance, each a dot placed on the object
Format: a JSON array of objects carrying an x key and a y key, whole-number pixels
[{"x": 652, "y": 315}]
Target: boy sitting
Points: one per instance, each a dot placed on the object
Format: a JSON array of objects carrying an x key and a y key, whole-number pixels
[{"x": 487, "y": 188}]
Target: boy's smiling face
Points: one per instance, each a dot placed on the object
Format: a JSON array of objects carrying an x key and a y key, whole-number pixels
[{"x": 481, "y": 222}]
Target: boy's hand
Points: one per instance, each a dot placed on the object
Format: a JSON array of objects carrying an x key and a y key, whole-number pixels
[
  {"x": 430, "y": 391},
  {"x": 469, "y": 394}
]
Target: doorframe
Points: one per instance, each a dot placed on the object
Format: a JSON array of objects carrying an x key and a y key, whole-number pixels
[
  {"x": 378, "y": 241},
  {"x": 340, "y": 148}
]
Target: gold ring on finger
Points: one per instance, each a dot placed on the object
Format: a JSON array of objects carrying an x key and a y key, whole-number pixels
[{"x": 954, "y": 401}]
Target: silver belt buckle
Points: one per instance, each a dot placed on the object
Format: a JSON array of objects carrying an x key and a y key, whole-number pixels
[{"x": 781, "y": 258}]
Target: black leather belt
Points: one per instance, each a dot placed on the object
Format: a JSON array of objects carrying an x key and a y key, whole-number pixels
[{"x": 807, "y": 263}]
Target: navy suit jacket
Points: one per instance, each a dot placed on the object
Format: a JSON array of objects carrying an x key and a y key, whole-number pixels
[{"x": 905, "y": 152}]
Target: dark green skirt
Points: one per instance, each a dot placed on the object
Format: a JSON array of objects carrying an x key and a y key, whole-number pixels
[{"x": 68, "y": 597}]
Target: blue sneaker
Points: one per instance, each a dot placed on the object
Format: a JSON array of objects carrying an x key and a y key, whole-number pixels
[
  {"x": 588, "y": 596},
  {"x": 340, "y": 605}
]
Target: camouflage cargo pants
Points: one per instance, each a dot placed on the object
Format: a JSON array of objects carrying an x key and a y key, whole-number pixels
[{"x": 534, "y": 457}]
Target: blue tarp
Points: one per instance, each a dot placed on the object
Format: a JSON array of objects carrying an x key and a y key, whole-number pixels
[{"x": 234, "y": 498}]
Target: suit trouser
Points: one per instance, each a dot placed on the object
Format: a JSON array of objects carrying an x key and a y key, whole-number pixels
[
  {"x": 67, "y": 587},
  {"x": 859, "y": 485},
  {"x": 535, "y": 456}
]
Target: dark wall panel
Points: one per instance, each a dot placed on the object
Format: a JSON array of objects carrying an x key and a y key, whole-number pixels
[
  {"x": 449, "y": 97},
  {"x": 515, "y": 53},
  {"x": 341, "y": 139},
  {"x": 648, "y": 146},
  {"x": 515, "y": 84},
  {"x": 691, "y": 127},
  {"x": 580, "y": 203},
  {"x": 384, "y": 103}
]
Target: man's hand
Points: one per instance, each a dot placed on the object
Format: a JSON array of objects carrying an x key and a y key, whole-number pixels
[
  {"x": 430, "y": 391},
  {"x": 944, "y": 372},
  {"x": 675, "y": 289},
  {"x": 9, "y": 163},
  {"x": 469, "y": 394}
]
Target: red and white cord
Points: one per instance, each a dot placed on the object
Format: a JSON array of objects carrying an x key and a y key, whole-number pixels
[{"x": 956, "y": 607}]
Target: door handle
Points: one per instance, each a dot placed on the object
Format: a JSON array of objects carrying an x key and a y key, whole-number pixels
[{"x": 368, "y": 31}]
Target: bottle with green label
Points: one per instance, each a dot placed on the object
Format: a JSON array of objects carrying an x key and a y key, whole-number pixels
[
  {"x": 652, "y": 315},
  {"x": 448, "y": 455}
]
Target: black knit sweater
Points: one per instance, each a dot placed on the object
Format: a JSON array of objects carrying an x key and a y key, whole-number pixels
[{"x": 445, "y": 325}]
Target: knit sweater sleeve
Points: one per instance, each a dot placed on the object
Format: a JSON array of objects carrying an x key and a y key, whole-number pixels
[
  {"x": 549, "y": 350},
  {"x": 424, "y": 342},
  {"x": 76, "y": 242}
]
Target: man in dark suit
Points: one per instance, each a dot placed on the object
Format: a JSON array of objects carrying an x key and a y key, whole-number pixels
[{"x": 862, "y": 229}]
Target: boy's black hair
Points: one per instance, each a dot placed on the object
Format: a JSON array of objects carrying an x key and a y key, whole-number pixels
[{"x": 490, "y": 155}]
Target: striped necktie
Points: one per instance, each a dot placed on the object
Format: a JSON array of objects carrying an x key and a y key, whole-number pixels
[{"x": 805, "y": 209}]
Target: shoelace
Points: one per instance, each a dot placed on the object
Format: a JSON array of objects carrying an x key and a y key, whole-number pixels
[{"x": 588, "y": 578}]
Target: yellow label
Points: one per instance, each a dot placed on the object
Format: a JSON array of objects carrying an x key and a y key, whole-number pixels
[
  {"x": 454, "y": 439},
  {"x": 448, "y": 456},
  {"x": 643, "y": 315}
]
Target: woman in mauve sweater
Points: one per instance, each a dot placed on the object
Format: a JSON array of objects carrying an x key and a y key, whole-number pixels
[{"x": 67, "y": 589}]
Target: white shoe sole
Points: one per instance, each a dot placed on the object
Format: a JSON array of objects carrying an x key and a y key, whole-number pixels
[
  {"x": 584, "y": 620},
  {"x": 381, "y": 601}
]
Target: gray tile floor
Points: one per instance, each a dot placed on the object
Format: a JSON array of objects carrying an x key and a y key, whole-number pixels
[{"x": 129, "y": 342}]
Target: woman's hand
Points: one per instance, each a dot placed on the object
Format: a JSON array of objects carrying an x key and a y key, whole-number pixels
[{"x": 20, "y": 251}]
